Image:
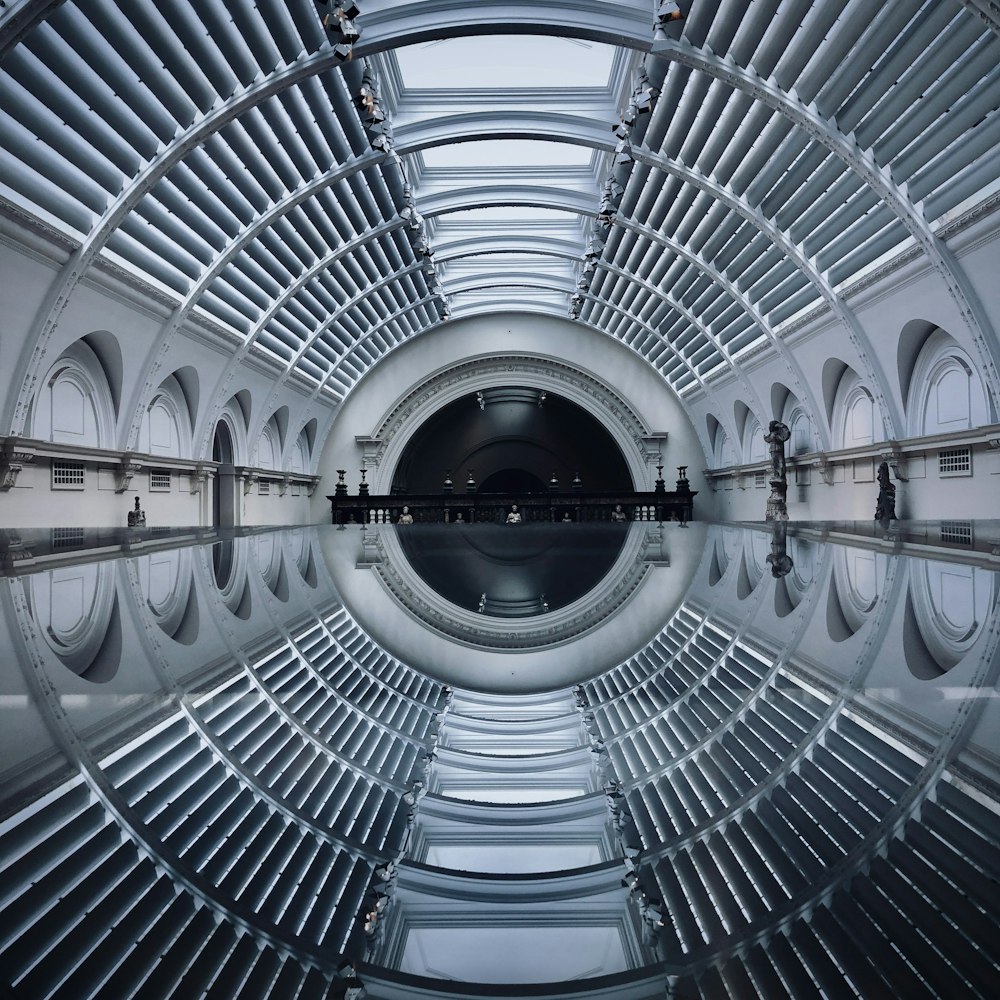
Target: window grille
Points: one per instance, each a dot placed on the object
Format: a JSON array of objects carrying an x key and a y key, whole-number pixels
[
  {"x": 159, "y": 479},
  {"x": 956, "y": 532},
  {"x": 263, "y": 488},
  {"x": 64, "y": 538},
  {"x": 955, "y": 462},
  {"x": 67, "y": 475},
  {"x": 760, "y": 479}
]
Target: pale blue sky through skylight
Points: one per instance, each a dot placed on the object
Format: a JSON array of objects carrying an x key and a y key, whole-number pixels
[{"x": 506, "y": 61}]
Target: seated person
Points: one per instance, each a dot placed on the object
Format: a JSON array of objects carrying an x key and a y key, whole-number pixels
[
  {"x": 406, "y": 517},
  {"x": 514, "y": 517}
]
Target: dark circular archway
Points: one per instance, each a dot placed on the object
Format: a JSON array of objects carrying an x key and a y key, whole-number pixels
[{"x": 513, "y": 439}]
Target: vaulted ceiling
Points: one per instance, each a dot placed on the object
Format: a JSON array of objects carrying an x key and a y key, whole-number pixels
[{"x": 691, "y": 187}]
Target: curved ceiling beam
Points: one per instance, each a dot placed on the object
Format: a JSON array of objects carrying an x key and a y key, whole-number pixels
[
  {"x": 150, "y": 380},
  {"x": 570, "y": 201},
  {"x": 486, "y": 245},
  {"x": 878, "y": 383},
  {"x": 21, "y": 17},
  {"x": 520, "y": 279},
  {"x": 479, "y": 126},
  {"x": 861, "y": 162},
  {"x": 492, "y": 195},
  {"x": 548, "y": 18},
  {"x": 386, "y": 24},
  {"x": 667, "y": 299},
  {"x": 327, "y": 324},
  {"x": 803, "y": 392},
  {"x": 566, "y": 201},
  {"x": 325, "y": 384}
]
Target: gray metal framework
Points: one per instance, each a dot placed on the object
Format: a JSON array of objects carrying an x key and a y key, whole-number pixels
[{"x": 217, "y": 151}]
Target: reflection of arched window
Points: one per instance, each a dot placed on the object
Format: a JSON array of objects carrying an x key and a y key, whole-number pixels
[
  {"x": 858, "y": 575},
  {"x": 168, "y": 587},
  {"x": 949, "y": 605},
  {"x": 853, "y": 414},
  {"x": 758, "y": 547},
  {"x": 229, "y": 566},
  {"x": 76, "y": 610},
  {"x": 74, "y": 405},
  {"x": 946, "y": 392},
  {"x": 267, "y": 550}
]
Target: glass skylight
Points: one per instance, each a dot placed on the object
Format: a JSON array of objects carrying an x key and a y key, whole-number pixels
[
  {"x": 509, "y": 153},
  {"x": 507, "y": 62},
  {"x": 504, "y": 213}
]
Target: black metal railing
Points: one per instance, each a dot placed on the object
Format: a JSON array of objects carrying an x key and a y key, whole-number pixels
[{"x": 497, "y": 508}]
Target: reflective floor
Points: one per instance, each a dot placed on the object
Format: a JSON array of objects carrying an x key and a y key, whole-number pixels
[{"x": 702, "y": 761}]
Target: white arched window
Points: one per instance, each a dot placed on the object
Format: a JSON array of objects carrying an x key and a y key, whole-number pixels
[
  {"x": 299, "y": 459},
  {"x": 725, "y": 453},
  {"x": 166, "y": 427},
  {"x": 268, "y": 450},
  {"x": 74, "y": 404},
  {"x": 800, "y": 425},
  {"x": 853, "y": 414},
  {"x": 754, "y": 448},
  {"x": 946, "y": 392}
]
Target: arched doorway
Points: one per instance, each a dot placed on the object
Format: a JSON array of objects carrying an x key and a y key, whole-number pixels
[{"x": 225, "y": 496}]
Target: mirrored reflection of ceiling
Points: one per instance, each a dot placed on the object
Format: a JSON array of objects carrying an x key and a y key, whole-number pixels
[
  {"x": 518, "y": 571},
  {"x": 815, "y": 718}
]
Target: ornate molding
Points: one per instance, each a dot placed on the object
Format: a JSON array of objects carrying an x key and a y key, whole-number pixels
[
  {"x": 13, "y": 458},
  {"x": 475, "y": 373},
  {"x": 824, "y": 467},
  {"x": 201, "y": 475},
  {"x": 896, "y": 461},
  {"x": 126, "y": 471}
]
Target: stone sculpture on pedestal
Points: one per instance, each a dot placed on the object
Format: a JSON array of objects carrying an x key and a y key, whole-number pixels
[
  {"x": 885, "y": 505},
  {"x": 777, "y": 504},
  {"x": 137, "y": 516}
]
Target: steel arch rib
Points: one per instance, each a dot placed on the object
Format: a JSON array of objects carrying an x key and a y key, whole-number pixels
[
  {"x": 861, "y": 162},
  {"x": 559, "y": 20},
  {"x": 474, "y": 246},
  {"x": 346, "y": 249},
  {"x": 247, "y": 236},
  {"x": 667, "y": 299},
  {"x": 804, "y": 393},
  {"x": 726, "y": 195}
]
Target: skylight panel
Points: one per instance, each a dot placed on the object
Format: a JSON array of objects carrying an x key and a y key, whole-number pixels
[
  {"x": 508, "y": 153},
  {"x": 506, "y": 213},
  {"x": 505, "y": 62}
]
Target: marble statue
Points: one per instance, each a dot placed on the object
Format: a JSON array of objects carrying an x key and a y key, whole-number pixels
[
  {"x": 618, "y": 515},
  {"x": 406, "y": 517},
  {"x": 514, "y": 517}
]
